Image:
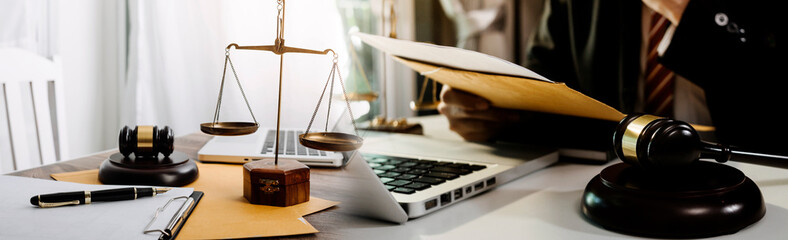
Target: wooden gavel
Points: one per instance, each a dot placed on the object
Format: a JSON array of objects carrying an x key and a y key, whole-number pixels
[
  {"x": 654, "y": 142},
  {"x": 146, "y": 141}
]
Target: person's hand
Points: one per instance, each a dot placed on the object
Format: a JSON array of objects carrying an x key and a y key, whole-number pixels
[
  {"x": 670, "y": 9},
  {"x": 472, "y": 116}
]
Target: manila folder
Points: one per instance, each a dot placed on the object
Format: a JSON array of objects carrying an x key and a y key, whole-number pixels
[{"x": 504, "y": 84}]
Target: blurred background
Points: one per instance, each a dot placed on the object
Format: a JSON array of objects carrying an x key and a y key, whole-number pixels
[{"x": 138, "y": 62}]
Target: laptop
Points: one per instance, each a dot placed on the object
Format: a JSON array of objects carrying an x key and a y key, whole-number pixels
[{"x": 397, "y": 177}]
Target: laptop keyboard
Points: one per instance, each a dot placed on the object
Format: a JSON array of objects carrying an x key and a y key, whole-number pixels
[
  {"x": 288, "y": 144},
  {"x": 409, "y": 175}
]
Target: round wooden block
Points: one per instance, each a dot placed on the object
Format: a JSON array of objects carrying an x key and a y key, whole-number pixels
[
  {"x": 703, "y": 200},
  {"x": 175, "y": 171}
]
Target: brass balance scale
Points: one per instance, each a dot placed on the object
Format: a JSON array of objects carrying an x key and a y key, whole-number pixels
[
  {"x": 381, "y": 123},
  {"x": 326, "y": 140}
]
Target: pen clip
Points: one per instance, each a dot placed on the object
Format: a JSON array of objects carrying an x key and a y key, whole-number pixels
[{"x": 57, "y": 204}]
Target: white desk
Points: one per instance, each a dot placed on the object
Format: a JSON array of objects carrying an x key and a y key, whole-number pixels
[{"x": 546, "y": 205}]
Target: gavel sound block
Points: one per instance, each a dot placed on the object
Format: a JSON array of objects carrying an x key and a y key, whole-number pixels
[
  {"x": 662, "y": 190},
  {"x": 284, "y": 184},
  {"x": 146, "y": 157}
]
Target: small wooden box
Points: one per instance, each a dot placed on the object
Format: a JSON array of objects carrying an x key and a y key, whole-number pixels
[{"x": 280, "y": 185}]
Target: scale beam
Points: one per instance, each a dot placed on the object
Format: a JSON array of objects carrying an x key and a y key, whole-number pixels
[{"x": 280, "y": 49}]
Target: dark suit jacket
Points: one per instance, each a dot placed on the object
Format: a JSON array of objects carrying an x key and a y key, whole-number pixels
[
  {"x": 735, "y": 50},
  {"x": 594, "y": 46}
]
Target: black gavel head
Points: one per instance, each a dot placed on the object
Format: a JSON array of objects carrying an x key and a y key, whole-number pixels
[
  {"x": 146, "y": 141},
  {"x": 656, "y": 143}
]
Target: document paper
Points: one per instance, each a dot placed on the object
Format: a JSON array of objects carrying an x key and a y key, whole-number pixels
[{"x": 99, "y": 220}]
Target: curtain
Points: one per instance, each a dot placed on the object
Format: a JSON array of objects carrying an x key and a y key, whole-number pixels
[
  {"x": 28, "y": 24},
  {"x": 176, "y": 53}
]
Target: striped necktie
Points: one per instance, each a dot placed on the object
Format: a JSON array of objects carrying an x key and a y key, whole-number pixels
[{"x": 659, "y": 80}]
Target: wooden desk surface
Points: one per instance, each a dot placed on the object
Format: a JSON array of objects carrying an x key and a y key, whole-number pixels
[{"x": 322, "y": 180}]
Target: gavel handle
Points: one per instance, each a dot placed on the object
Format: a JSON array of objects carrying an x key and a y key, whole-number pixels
[{"x": 722, "y": 153}]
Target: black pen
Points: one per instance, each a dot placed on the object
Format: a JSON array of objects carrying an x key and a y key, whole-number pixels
[{"x": 86, "y": 197}]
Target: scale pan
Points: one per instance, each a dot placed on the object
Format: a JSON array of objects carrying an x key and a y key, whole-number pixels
[
  {"x": 331, "y": 141},
  {"x": 367, "y": 97},
  {"x": 229, "y": 128},
  {"x": 424, "y": 106}
]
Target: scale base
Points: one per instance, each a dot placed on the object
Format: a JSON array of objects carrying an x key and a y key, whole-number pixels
[
  {"x": 703, "y": 200},
  {"x": 174, "y": 171}
]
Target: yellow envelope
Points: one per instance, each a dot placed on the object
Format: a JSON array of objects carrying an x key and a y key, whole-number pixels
[
  {"x": 519, "y": 93},
  {"x": 223, "y": 212}
]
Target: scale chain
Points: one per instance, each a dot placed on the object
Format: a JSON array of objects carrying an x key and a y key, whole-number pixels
[
  {"x": 434, "y": 91},
  {"x": 330, "y": 96},
  {"x": 242, "y": 89},
  {"x": 334, "y": 72},
  {"x": 423, "y": 89},
  {"x": 344, "y": 92},
  {"x": 317, "y": 107},
  {"x": 280, "y": 20},
  {"x": 221, "y": 88}
]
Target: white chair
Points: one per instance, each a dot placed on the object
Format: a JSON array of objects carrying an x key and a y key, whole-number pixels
[{"x": 32, "y": 126}]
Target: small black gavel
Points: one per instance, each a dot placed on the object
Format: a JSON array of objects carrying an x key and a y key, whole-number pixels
[
  {"x": 146, "y": 141},
  {"x": 654, "y": 142}
]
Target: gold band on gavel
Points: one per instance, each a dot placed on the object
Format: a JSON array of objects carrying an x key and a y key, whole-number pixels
[
  {"x": 629, "y": 142},
  {"x": 145, "y": 139}
]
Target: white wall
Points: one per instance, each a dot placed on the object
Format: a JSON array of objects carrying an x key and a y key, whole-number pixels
[
  {"x": 88, "y": 47},
  {"x": 92, "y": 47}
]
